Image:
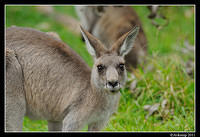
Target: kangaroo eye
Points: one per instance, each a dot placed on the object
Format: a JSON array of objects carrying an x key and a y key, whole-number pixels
[
  {"x": 121, "y": 66},
  {"x": 100, "y": 68}
]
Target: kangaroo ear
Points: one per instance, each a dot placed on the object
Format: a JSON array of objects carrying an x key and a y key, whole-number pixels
[
  {"x": 125, "y": 43},
  {"x": 94, "y": 46}
]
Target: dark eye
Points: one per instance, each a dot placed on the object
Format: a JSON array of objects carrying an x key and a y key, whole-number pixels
[
  {"x": 100, "y": 68},
  {"x": 121, "y": 66}
]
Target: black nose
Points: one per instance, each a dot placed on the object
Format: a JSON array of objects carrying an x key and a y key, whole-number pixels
[{"x": 113, "y": 83}]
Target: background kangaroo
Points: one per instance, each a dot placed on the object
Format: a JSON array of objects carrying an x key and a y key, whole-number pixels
[
  {"x": 109, "y": 23},
  {"x": 46, "y": 79}
]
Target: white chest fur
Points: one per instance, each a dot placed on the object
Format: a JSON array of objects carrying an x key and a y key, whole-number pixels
[{"x": 106, "y": 109}]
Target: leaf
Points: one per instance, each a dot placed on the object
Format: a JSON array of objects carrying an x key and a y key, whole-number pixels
[
  {"x": 164, "y": 102},
  {"x": 133, "y": 85},
  {"x": 151, "y": 109}
]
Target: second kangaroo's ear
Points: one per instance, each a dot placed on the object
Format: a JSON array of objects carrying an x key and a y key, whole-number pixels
[
  {"x": 94, "y": 46},
  {"x": 125, "y": 43}
]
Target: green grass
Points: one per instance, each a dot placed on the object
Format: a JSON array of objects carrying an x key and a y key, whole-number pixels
[{"x": 166, "y": 80}]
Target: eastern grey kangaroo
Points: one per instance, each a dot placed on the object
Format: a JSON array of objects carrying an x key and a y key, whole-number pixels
[
  {"x": 109, "y": 23},
  {"x": 46, "y": 79}
]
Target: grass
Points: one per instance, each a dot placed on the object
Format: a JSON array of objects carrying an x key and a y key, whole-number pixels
[{"x": 163, "y": 77}]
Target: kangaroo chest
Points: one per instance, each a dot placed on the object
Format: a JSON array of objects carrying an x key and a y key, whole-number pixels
[{"x": 106, "y": 108}]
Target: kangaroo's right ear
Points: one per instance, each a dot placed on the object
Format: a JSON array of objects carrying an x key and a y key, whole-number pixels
[
  {"x": 94, "y": 46},
  {"x": 125, "y": 43}
]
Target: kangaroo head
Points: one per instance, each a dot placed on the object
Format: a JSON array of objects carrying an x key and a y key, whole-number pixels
[{"x": 109, "y": 71}]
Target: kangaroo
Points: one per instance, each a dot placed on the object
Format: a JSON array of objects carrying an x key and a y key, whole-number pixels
[
  {"x": 46, "y": 79},
  {"x": 109, "y": 23}
]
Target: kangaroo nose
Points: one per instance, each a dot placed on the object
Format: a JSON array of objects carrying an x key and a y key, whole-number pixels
[{"x": 113, "y": 83}]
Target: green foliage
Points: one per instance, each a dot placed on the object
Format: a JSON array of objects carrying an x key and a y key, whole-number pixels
[{"x": 162, "y": 77}]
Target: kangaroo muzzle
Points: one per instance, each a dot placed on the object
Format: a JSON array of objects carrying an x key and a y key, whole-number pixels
[{"x": 112, "y": 80}]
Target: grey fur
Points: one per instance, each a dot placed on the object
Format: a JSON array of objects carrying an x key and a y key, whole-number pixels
[{"x": 46, "y": 79}]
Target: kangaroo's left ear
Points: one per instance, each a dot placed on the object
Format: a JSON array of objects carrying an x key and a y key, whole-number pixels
[
  {"x": 94, "y": 46},
  {"x": 125, "y": 43}
]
